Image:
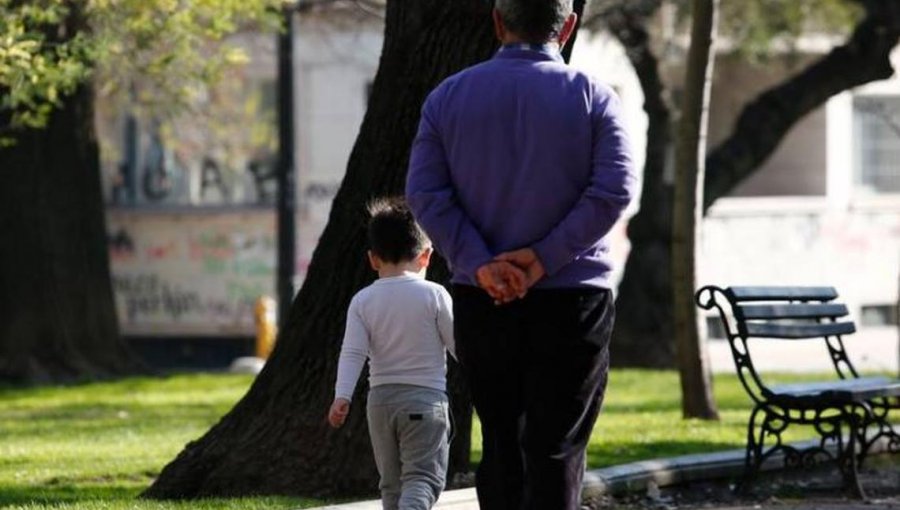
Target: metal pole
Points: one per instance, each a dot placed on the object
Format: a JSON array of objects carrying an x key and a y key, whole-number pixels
[
  {"x": 131, "y": 155},
  {"x": 286, "y": 189},
  {"x": 129, "y": 165}
]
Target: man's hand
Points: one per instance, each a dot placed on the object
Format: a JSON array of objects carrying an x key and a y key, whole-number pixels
[
  {"x": 338, "y": 412},
  {"x": 502, "y": 281},
  {"x": 527, "y": 260}
]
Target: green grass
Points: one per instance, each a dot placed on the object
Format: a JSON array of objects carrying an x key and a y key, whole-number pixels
[
  {"x": 641, "y": 419},
  {"x": 97, "y": 446}
]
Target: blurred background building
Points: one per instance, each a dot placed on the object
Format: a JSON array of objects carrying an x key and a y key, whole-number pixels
[{"x": 191, "y": 212}]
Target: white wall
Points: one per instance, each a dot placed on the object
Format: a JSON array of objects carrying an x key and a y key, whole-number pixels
[
  {"x": 332, "y": 71},
  {"x": 601, "y": 55},
  {"x": 197, "y": 270},
  {"x": 839, "y": 239}
]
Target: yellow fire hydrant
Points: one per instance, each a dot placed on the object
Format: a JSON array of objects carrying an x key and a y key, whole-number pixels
[{"x": 266, "y": 328}]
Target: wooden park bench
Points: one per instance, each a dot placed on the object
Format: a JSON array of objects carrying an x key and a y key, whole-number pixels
[{"x": 848, "y": 412}]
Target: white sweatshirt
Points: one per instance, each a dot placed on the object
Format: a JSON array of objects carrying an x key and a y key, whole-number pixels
[{"x": 403, "y": 324}]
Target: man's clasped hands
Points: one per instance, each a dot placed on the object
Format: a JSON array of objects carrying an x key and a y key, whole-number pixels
[{"x": 510, "y": 275}]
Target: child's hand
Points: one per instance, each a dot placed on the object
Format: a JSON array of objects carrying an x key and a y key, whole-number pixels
[{"x": 338, "y": 412}]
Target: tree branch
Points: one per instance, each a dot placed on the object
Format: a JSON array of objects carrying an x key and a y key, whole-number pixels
[{"x": 765, "y": 121}]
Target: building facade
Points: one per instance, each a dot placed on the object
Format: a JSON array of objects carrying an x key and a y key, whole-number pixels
[{"x": 192, "y": 227}]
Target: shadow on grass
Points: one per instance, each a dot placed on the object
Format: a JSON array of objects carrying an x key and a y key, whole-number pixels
[
  {"x": 59, "y": 493},
  {"x": 91, "y": 418},
  {"x": 125, "y": 385},
  {"x": 64, "y": 493}
]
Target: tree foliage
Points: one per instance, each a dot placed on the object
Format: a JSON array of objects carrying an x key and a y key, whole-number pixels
[
  {"x": 172, "y": 47},
  {"x": 753, "y": 26},
  {"x": 35, "y": 69},
  {"x": 750, "y": 27}
]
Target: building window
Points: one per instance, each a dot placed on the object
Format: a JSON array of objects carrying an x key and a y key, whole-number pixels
[
  {"x": 878, "y": 315},
  {"x": 877, "y": 147},
  {"x": 714, "y": 328}
]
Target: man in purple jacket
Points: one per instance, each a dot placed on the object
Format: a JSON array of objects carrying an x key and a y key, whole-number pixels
[{"x": 520, "y": 168}]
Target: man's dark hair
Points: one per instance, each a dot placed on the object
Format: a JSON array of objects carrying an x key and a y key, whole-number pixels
[
  {"x": 394, "y": 235},
  {"x": 536, "y": 21}
]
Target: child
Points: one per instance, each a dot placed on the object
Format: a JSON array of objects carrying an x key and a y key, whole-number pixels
[{"x": 403, "y": 324}]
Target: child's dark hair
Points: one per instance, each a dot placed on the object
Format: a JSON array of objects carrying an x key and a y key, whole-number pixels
[{"x": 394, "y": 235}]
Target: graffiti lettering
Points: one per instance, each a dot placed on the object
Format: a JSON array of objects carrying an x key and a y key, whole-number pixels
[
  {"x": 197, "y": 273},
  {"x": 147, "y": 295},
  {"x": 160, "y": 171},
  {"x": 121, "y": 245},
  {"x": 264, "y": 180},
  {"x": 215, "y": 245},
  {"x": 211, "y": 177}
]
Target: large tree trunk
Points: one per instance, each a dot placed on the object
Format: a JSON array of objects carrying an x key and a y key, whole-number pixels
[
  {"x": 643, "y": 330},
  {"x": 57, "y": 315},
  {"x": 276, "y": 440},
  {"x": 690, "y": 156}
]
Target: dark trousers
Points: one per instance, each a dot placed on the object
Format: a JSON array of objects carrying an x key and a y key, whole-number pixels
[{"x": 537, "y": 368}]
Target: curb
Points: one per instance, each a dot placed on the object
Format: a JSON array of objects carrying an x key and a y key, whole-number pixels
[{"x": 631, "y": 477}]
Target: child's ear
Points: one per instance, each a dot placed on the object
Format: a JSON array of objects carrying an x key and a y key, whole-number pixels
[
  {"x": 425, "y": 256},
  {"x": 374, "y": 261}
]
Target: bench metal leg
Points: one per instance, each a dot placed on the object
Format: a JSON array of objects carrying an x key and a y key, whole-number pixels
[
  {"x": 753, "y": 455},
  {"x": 847, "y": 460},
  {"x": 876, "y": 418}
]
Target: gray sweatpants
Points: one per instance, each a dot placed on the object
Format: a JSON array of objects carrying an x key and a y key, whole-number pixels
[{"x": 409, "y": 428}]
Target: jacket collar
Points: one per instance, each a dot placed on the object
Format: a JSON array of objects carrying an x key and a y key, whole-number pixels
[{"x": 537, "y": 52}]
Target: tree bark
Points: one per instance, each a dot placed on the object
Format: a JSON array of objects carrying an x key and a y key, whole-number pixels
[
  {"x": 763, "y": 123},
  {"x": 57, "y": 314},
  {"x": 276, "y": 440},
  {"x": 690, "y": 155},
  {"x": 644, "y": 323}
]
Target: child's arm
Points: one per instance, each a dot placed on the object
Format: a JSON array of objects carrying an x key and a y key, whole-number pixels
[
  {"x": 354, "y": 351},
  {"x": 445, "y": 320}
]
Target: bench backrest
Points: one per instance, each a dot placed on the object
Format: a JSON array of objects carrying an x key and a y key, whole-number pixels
[{"x": 789, "y": 313}]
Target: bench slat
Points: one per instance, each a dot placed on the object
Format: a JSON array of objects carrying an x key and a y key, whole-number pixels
[
  {"x": 782, "y": 293},
  {"x": 771, "y": 330},
  {"x": 792, "y": 311},
  {"x": 843, "y": 390}
]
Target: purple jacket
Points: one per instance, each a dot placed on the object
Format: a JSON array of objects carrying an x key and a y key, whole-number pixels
[{"x": 522, "y": 151}]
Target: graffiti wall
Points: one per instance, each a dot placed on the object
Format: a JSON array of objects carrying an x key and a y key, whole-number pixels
[
  {"x": 804, "y": 242},
  {"x": 190, "y": 273},
  {"x": 797, "y": 242}
]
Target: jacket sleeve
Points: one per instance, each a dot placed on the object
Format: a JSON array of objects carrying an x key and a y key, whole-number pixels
[
  {"x": 432, "y": 198},
  {"x": 611, "y": 187}
]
